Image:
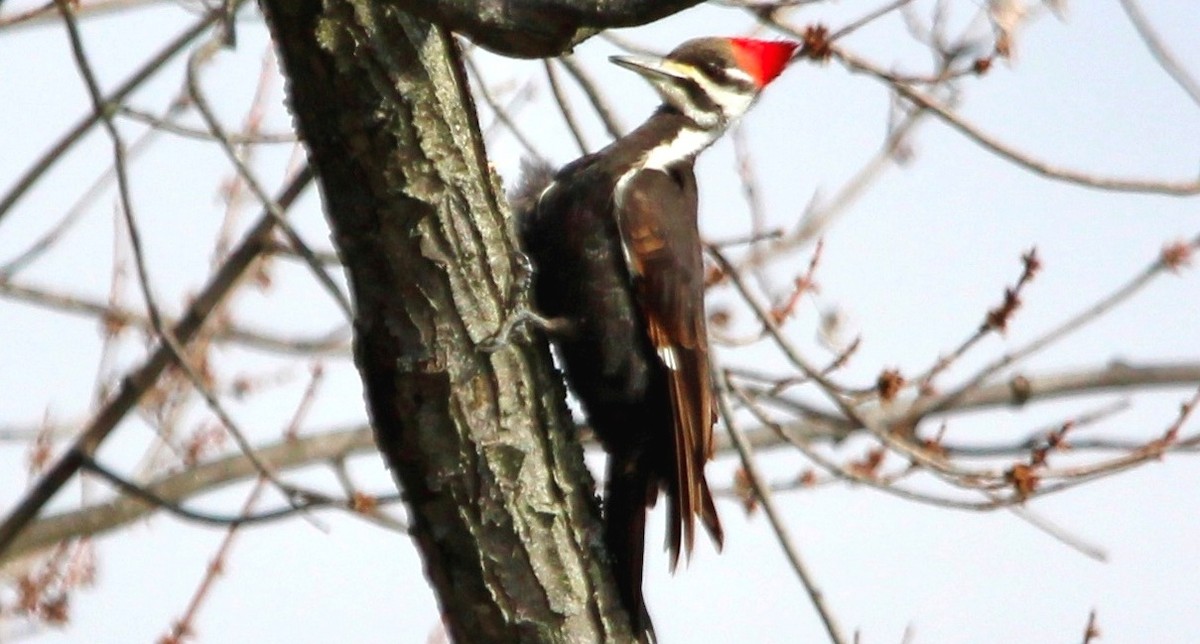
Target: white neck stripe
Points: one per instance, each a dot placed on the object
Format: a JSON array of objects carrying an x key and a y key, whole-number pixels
[{"x": 687, "y": 143}]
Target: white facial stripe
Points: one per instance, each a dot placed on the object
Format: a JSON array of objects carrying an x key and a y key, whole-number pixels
[
  {"x": 676, "y": 96},
  {"x": 740, "y": 74},
  {"x": 732, "y": 102}
]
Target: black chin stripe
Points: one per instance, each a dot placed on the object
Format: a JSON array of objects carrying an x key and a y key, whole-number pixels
[
  {"x": 698, "y": 98},
  {"x": 704, "y": 61}
]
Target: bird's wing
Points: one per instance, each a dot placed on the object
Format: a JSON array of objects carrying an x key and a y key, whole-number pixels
[{"x": 656, "y": 214}]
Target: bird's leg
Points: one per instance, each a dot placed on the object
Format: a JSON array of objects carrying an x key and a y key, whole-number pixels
[{"x": 521, "y": 315}]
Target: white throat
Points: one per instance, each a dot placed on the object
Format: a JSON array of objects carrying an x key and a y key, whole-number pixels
[{"x": 686, "y": 143}]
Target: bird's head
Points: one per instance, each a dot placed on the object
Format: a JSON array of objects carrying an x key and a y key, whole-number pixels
[{"x": 713, "y": 81}]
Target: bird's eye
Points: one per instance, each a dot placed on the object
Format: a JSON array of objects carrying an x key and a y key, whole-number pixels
[{"x": 714, "y": 71}]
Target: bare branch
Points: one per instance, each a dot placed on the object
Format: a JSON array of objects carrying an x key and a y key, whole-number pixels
[
  {"x": 172, "y": 490},
  {"x": 763, "y": 492},
  {"x": 564, "y": 107},
  {"x": 1020, "y": 390},
  {"x": 141, "y": 379},
  {"x": 501, "y": 114},
  {"x": 167, "y": 125},
  {"x": 272, "y": 208},
  {"x": 47, "y": 13},
  {"x": 1159, "y": 50},
  {"x": 333, "y": 343},
  {"x": 1176, "y": 188},
  {"x": 539, "y": 28},
  {"x": 1075, "y": 322},
  {"x": 1091, "y": 632},
  {"x": 603, "y": 110},
  {"x": 168, "y": 340},
  {"x": 58, "y": 151}
]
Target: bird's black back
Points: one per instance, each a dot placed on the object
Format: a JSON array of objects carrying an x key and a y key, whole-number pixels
[{"x": 580, "y": 276}]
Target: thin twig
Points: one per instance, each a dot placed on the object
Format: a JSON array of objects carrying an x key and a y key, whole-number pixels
[
  {"x": 867, "y": 19},
  {"x": 762, "y": 490},
  {"x": 502, "y": 114},
  {"x": 46, "y": 12},
  {"x": 1117, "y": 184},
  {"x": 1059, "y": 534},
  {"x": 603, "y": 110},
  {"x": 752, "y": 196},
  {"x": 848, "y": 474},
  {"x": 1019, "y": 391},
  {"x": 176, "y": 488},
  {"x": 1159, "y": 50},
  {"x": 210, "y": 119},
  {"x": 564, "y": 107},
  {"x": 995, "y": 321},
  {"x": 335, "y": 342},
  {"x": 212, "y": 571},
  {"x": 141, "y": 379},
  {"x": 831, "y": 390},
  {"x": 1070, "y": 325},
  {"x": 1091, "y": 632},
  {"x": 160, "y": 328},
  {"x": 158, "y": 123},
  {"x": 821, "y": 213},
  {"x": 77, "y": 209},
  {"x": 146, "y": 494},
  {"x": 58, "y": 151}
]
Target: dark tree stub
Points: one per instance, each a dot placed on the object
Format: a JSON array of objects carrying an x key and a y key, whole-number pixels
[{"x": 539, "y": 28}]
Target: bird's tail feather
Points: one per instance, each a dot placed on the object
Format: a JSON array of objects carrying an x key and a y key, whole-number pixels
[{"x": 628, "y": 491}]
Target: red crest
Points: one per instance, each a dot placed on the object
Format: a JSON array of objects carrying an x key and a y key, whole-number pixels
[{"x": 762, "y": 59}]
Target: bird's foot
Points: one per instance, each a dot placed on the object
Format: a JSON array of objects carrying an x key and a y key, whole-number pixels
[{"x": 524, "y": 317}]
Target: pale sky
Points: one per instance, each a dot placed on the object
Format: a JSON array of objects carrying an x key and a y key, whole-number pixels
[{"x": 913, "y": 265}]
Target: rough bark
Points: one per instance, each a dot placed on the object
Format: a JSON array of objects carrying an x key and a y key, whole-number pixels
[
  {"x": 539, "y": 28},
  {"x": 501, "y": 505}
]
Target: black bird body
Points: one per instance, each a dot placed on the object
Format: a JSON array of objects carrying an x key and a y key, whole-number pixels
[
  {"x": 617, "y": 257},
  {"x": 583, "y": 276}
]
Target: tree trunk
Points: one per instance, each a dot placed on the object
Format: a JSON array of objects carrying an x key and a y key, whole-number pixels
[{"x": 501, "y": 505}]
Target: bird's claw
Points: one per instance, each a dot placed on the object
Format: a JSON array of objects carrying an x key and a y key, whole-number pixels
[{"x": 521, "y": 318}]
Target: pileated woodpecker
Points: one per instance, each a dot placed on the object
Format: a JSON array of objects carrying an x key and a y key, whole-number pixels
[{"x": 617, "y": 259}]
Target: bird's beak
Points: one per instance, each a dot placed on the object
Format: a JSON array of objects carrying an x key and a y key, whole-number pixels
[{"x": 653, "y": 69}]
